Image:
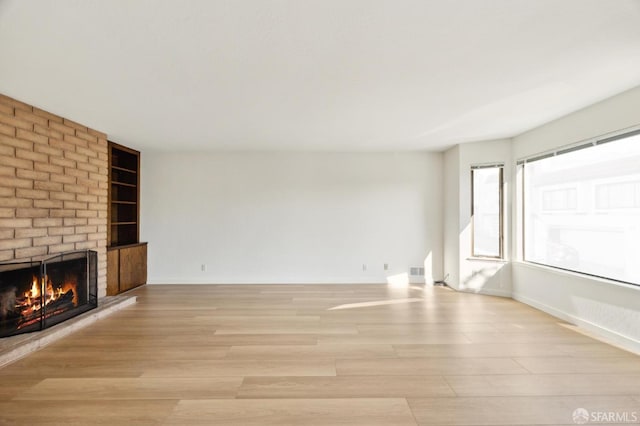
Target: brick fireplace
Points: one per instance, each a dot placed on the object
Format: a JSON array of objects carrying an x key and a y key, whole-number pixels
[
  {"x": 53, "y": 186},
  {"x": 37, "y": 295}
]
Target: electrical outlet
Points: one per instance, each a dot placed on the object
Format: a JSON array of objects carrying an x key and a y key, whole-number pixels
[
  {"x": 364, "y": 266},
  {"x": 203, "y": 267},
  {"x": 386, "y": 266}
]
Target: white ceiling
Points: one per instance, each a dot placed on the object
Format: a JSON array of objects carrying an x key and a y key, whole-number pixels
[{"x": 345, "y": 75}]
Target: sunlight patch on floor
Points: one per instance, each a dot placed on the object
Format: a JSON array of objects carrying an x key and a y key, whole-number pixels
[{"x": 375, "y": 303}]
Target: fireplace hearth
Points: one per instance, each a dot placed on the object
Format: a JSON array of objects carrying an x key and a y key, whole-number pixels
[{"x": 38, "y": 294}]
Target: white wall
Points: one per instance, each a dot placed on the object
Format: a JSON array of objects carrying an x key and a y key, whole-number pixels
[
  {"x": 464, "y": 272},
  {"x": 452, "y": 216},
  {"x": 610, "y": 309},
  {"x": 290, "y": 217}
]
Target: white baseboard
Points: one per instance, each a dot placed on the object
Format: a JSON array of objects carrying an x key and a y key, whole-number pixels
[
  {"x": 594, "y": 330},
  {"x": 202, "y": 281}
]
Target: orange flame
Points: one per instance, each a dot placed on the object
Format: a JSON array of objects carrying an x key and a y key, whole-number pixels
[{"x": 32, "y": 297}]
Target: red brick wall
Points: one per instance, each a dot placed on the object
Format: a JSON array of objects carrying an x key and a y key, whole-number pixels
[{"x": 53, "y": 186}]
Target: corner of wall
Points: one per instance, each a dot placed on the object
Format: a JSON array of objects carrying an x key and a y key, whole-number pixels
[{"x": 451, "y": 206}]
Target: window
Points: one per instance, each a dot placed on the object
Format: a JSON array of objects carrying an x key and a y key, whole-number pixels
[
  {"x": 581, "y": 209},
  {"x": 619, "y": 195},
  {"x": 560, "y": 199},
  {"x": 486, "y": 211}
]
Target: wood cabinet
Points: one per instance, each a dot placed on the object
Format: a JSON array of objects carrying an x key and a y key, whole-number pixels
[
  {"x": 126, "y": 255},
  {"x": 126, "y": 267}
]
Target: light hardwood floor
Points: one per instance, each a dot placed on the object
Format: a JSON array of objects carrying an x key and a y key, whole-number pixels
[{"x": 320, "y": 355}]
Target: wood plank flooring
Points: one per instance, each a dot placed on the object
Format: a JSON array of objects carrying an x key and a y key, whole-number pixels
[{"x": 319, "y": 355}]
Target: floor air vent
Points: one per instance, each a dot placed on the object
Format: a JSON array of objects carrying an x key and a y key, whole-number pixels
[{"x": 416, "y": 271}]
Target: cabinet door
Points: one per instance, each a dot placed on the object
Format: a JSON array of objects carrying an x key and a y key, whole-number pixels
[
  {"x": 113, "y": 272},
  {"x": 133, "y": 266}
]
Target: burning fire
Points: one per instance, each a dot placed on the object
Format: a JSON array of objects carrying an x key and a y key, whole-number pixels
[{"x": 32, "y": 301}]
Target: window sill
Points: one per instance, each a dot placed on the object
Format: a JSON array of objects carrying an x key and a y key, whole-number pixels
[{"x": 486, "y": 259}]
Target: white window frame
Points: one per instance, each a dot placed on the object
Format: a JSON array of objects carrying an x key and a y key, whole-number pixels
[
  {"x": 500, "y": 256},
  {"x": 521, "y": 214}
]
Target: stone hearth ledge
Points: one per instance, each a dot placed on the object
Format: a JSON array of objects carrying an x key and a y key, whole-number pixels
[{"x": 15, "y": 347}]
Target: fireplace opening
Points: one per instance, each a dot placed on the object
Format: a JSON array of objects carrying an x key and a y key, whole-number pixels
[{"x": 38, "y": 294}]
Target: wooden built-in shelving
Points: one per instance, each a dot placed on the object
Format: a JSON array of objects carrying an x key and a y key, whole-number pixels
[{"x": 126, "y": 256}]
